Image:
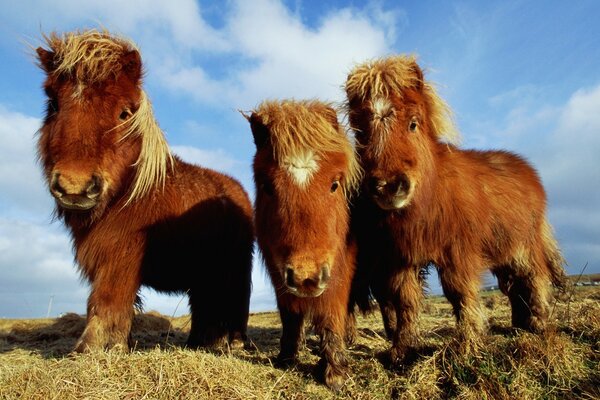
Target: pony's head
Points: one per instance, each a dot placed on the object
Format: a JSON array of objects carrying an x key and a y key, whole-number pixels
[
  {"x": 304, "y": 169},
  {"x": 397, "y": 117},
  {"x": 99, "y": 137}
]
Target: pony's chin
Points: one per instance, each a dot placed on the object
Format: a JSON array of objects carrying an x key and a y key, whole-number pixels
[
  {"x": 78, "y": 204},
  {"x": 392, "y": 203}
]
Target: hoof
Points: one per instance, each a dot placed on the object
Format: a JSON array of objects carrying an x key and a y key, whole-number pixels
[
  {"x": 285, "y": 360},
  {"x": 333, "y": 377},
  {"x": 236, "y": 344}
]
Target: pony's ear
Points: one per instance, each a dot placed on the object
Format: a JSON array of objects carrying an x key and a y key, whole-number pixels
[
  {"x": 132, "y": 65},
  {"x": 46, "y": 59},
  {"x": 419, "y": 81},
  {"x": 260, "y": 132}
]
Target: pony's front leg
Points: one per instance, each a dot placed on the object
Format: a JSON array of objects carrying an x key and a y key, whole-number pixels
[
  {"x": 333, "y": 363},
  {"x": 109, "y": 312},
  {"x": 292, "y": 324},
  {"x": 407, "y": 299}
]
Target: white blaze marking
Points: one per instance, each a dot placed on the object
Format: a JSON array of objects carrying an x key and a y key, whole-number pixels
[
  {"x": 302, "y": 166},
  {"x": 382, "y": 111},
  {"x": 382, "y": 108}
]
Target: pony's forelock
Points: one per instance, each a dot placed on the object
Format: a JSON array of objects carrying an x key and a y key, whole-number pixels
[
  {"x": 298, "y": 126},
  {"x": 383, "y": 77},
  {"x": 88, "y": 56}
]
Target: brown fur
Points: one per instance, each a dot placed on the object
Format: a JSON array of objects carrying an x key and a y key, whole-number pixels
[
  {"x": 302, "y": 228},
  {"x": 426, "y": 202},
  {"x": 137, "y": 215}
]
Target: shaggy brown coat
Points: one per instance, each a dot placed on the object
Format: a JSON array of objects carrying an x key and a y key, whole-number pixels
[
  {"x": 425, "y": 201},
  {"x": 137, "y": 215}
]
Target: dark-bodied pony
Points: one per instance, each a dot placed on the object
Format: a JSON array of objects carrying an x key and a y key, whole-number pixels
[
  {"x": 137, "y": 214},
  {"x": 305, "y": 169},
  {"x": 424, "y": 201}
]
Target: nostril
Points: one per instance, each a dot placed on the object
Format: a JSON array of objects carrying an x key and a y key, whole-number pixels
[
  {"x": 325, "y": 273},
  {"x": 376, "y": 185},
  {"x": 94, "y": 187},
  {"x": 403, "y": 183},
  {"x": 289, "y": 277},
  {"x": 55, "y": 187}
]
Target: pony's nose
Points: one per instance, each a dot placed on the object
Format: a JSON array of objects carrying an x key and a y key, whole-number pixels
[
  {"x": 62, "y": 185},
  {"x": 307, "y": 283},
  {"x": 398, "y": 185}
]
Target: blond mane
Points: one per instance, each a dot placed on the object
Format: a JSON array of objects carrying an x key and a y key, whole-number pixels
[
  {"x": 295, "y": 126},
  {"x": 391, "y": 75},
  {"x": 94, "y": 56},
  {"x": 89, "y": 56},
  {"x": 155, "y": 156}
]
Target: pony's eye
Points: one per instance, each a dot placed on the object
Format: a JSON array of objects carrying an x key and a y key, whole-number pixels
[
  {"x": 412, "y": 126},
  {"x": 125, "y": 115},
  {"x": 335, "y": 185},
  {"x": 52, "y": 105},
  {"x": 266, "y": 187}
]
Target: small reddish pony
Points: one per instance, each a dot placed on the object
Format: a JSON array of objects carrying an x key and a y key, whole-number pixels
[
  {"x": 137, "y": 214},
  {"x": 425, "y": 201},
  {"x": 305, "y": 169}
]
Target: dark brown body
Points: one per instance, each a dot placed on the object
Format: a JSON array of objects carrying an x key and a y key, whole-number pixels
[
  {"x": 137, "y": 215},
  {"x": 425, "y": 202}
]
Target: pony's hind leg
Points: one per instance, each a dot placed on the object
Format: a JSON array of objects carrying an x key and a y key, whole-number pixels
[
  {"x": 238, "y": 298},
  {"x": 208, "y": 329},
  {"x": 407, "y": 298},
  {"x": 461, "y": 288},
  {"x": 527, "y": 288}
]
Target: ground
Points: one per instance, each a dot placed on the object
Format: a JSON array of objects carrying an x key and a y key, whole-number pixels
[{"x": 564, "y": 363}]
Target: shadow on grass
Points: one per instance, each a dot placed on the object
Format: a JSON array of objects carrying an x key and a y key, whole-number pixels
[{"x": 58, "y": 339}]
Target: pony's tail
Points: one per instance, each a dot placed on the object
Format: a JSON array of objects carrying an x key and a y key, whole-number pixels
[{"x": 555, "y": 262}]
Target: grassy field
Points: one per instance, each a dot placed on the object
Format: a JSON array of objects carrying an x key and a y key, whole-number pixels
[{"x": 564, "y": 364}]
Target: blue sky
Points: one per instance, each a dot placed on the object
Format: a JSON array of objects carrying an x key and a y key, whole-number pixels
[{"x": 519, "y": 75}]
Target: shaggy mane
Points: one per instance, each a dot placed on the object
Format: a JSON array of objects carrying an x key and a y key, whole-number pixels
[
  {"x": 90, "y": 56},
  {"x": 391, "y": 75},
  {"x": 155, "y": 156},
  {"x": 298, "y": 125},
  {"x": 94, "y": 56}
]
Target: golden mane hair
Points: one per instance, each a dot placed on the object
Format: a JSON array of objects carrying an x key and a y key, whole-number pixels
[
  {"x": 89, "y": 56},
  {"x": 155, "y": 156},
  {"x": 93, "y": 56},
  {"x": 390, "y": 75},
  {"x": 296, "y": 125}
]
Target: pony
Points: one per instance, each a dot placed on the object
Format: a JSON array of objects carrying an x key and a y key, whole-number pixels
[
  {"x": 305, "y": 169},
  {"x": 137, "y": 214},
  {"x": 424, "y": 201}
]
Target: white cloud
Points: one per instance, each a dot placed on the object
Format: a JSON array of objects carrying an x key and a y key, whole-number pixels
[
  {"x": 21, "y": 184},
  {"x": 563, "y": 144},
  {"x": 36, "y": 264},
  {"x": 275, "y": 55},
  {"x": 218, "y": 160},
  {"x": 181, "y": 20}
]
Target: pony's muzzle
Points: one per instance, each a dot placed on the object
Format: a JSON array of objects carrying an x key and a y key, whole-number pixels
[
  {"x": 307, "y": 284},
  {"x": 390, "y": 193},
  {"x": 75, "y": 192}
]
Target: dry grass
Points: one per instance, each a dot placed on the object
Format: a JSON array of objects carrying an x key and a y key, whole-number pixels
[{"x": 564, "y": 364}]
